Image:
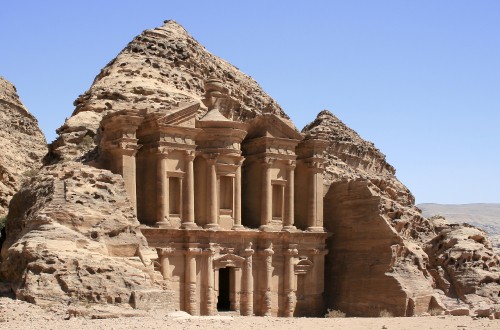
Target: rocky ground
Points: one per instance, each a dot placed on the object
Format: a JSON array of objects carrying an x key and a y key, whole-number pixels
[{"x": 16, "y": 314}]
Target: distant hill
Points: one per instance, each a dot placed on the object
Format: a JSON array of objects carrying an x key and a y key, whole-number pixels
[{"x": 484, "y": 216}]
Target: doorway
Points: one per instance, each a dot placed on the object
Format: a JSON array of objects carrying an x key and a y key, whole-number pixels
[{"x": 223, "y": 300}]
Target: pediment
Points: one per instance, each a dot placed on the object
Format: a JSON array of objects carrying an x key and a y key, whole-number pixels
[
  {"x": 303, "y": 266},
  {"x": 229, "y": 260},
  {"x": 270, "y": 125}
]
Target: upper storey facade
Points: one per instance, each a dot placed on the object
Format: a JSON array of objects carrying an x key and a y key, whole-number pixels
[{"x": 216, "y": 173}]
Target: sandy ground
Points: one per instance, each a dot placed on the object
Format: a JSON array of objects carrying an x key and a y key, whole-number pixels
[{"x": 20, "y": 315}]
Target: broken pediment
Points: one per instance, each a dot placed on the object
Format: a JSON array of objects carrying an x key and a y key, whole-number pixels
[
  {"x": 184, "y": 115},
  {"x": 270, "y": 125}
]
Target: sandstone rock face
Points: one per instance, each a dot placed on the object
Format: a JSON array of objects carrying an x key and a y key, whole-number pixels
[
  {"x": 23, "y": 144},
  {"x": 370, "y": 266},
  {"x": 159, "y": 69},
  {"x": 464, "y": 265},
  {"x": 73, "y": 237}
]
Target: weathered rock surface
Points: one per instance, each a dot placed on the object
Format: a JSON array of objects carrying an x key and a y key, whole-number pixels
[
  {"x": 465, "y": 266},
  {"x": 159, "y": 69},
  {"x": 22, "y": 141},
  {"x": 73, "y": 237},
  {"x": 483, "y": 215}
]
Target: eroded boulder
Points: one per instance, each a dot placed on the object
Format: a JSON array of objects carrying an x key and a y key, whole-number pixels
[
  {"x": 465, "y": 266},
  {"x": 73, "y": 237}
]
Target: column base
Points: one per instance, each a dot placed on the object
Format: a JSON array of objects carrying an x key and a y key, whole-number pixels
[
  {"x": 163, "y": 224},
  {"x": 189, "y": 225},
  {"x": 212, "y": 226},
  {"x": 238, "y": 228},
  {"x": 316, "y": 229},
  {"x": 289, "y": 228}
]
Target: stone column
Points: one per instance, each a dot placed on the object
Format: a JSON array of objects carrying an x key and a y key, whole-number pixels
[
  {"x": 246, "y": 298},
  {"x": 210, "y": 298},
  {"x": 237, "y": 199},
  {"x": 268, "y": 253},
  {"x": 162, "y": 211},
  {"x": 289, "y": 280},
  {"x": 188, "y": 194},
  {"x": 266, "y": 195},
  {"x": 213, "y": 202},
  {"x": 289, "y": 198},
  {"x": 191, "y": 301},
  {"x": 315, "y": 201}
]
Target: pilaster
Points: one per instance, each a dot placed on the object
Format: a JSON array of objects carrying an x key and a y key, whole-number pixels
[
  {"x": 212, "y": 193},
  {"x": 191, "y": 301},
  {"x": 289, "y": 280},
  {"x": 246, "y": 299}
]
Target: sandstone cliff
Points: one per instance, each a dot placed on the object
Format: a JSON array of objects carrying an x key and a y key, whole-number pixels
[
  {"x": 157, "y": 70},
  {"x": 73, "y": 238},
  {"x": 23, "y": 144}
]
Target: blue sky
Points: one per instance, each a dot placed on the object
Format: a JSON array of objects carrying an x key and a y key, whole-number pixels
[{"x": 420, "y": 79}]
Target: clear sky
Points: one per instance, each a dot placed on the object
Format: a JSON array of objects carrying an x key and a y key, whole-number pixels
[{"x": 420, "y": 79}]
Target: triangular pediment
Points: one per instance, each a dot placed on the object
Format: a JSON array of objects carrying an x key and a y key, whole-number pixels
[
  {"x": 229, "y": 260},
  {"x": 270, "y": 125}
]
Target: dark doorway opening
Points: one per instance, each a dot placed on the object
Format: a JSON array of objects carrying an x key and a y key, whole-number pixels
[{"x": 223, "y": 301}]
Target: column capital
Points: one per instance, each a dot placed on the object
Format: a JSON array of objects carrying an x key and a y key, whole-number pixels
[
  {"x": 267, "y": 162},
  {"x": 316, "y": 166},
  {"x": 248, "y": 251},
  {"x": 162, "y": 152},
  {"x": 240, "y": 160},
  {"x": 291, "y": 164},
  {"x": 268, "y": 251},
  {"x": 123, "y": 146},
  {"x": 166, "y": 251},
  {"x": 190, "y": 155},
  {"x": 208, "y": 252},
  {"x": 291, "y": 251},
  {"x": 211, "y": 157},
  {"x": 193, "y": 251}
]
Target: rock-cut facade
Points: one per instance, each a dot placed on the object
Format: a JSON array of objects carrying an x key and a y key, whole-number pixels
[{"x": 234, "y": 210}]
